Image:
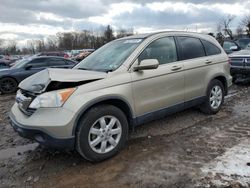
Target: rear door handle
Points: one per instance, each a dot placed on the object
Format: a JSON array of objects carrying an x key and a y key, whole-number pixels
[
  {"x": 209, "y": 62},
  {"x": 175, "y": 68}
]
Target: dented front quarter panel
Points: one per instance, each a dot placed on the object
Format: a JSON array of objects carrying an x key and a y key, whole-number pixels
[
  {"x": 54, "y": 79},
  {"x": 114, "y": 86}
]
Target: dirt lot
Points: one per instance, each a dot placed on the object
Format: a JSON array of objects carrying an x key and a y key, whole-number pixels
[{"x": 187, "y": 149}]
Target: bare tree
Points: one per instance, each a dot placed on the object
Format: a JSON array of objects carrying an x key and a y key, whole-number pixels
[
  {"x": 224, "y": 26},
  {"x": 2, "y": 46},
  {"x": 11, "y": 47},
  {"x": 65, "y": 40},
  {"x": 40, "y": 45},
  {"x": 69, "y": 40},
  {"x": 124, "y": 32},
  {"x": 239, "y": 32},
  {"x": 31, "y": 45},
  {"x": 51, "y": 43},
  {"x": 109, "y": 34},
  {"x": 245, "y": 23}
]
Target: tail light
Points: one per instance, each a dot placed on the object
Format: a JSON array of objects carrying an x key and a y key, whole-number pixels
[{"x": 229, "y": 61}]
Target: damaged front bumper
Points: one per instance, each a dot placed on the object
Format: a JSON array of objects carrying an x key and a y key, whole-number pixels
[
  {"x": 42, "y": 137},
  {"x": 50, "y": 135}
]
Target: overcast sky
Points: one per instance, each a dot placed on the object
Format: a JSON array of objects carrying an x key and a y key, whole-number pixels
[{"x": 30, "y": 19}]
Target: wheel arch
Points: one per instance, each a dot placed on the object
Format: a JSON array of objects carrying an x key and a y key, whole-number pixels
[
  {"x": 118, "y": 102},
  {"x": 3, "y": 77},
  {"x": 223, "y": 80},
  {"x": 12, "y": 77}
]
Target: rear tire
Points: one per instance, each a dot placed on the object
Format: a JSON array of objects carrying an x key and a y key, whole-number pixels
[
  {"x": 8, "y": 85},
  {"x": 214, "y": 98},
  {"x": 101, "y": 133}
]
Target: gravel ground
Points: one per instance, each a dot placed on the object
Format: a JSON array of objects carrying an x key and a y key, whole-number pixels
[{"x": 187, "y": 149}]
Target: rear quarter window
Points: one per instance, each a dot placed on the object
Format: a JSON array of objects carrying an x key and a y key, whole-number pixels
[
  {"x": 190, "y": 48},
  {"x": 210, "y": 48},
  {"x": 56, "y": 62},
  {"x": 70, "y": 62}
]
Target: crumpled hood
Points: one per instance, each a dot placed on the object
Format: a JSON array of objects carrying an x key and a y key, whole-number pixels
[{"x": 53, "y": 79}]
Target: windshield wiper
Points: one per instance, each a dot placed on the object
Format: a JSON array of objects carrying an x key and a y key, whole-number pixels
[
  {"x": 83, "y": 69},
  {"x": 109, "y": 70},
  {"x": 98, "y": 70}
]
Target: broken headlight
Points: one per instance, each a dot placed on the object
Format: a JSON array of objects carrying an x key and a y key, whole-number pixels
[{"x": 52, "y": 99}]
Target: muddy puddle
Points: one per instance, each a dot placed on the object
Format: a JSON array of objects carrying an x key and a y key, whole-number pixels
[
  {"x": 242, "y": 109},
  {"x": 16, "y": 151}
]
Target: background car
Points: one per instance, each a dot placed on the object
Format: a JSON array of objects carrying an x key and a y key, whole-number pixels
[
  {"x": 4, "y": 65},
  {"x": 230, "y": 46},
  {"x": 81, "y": 56},
  {"x": 6, "y": 60},
  {"x": 243, "y": 43},
  {"x": 240, "y": 65},
  {"x": 60, "y": 54},
  {"x": 10, "y": 78}
]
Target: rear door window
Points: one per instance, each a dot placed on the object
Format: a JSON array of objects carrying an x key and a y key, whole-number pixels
[
  {"x": 38, "y": 63},
  {"x": 190, "y": 48},
  {"x": 210, "y": 48}
]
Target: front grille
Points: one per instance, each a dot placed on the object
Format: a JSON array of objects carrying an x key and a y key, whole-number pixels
[
  {"x": 241, "y": 62},
  {"x": 24, "y": 99}
]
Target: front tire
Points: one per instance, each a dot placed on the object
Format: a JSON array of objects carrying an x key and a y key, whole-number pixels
[
  {"x": 214, "y": 99},
  {"x": 102, "y": 132},
  {"x": 8, "y": 85}
]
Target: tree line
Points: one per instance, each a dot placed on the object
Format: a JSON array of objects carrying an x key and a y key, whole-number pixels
[
  {"x": 63, "y": 41},
  {"x": 94, "y": 39}
]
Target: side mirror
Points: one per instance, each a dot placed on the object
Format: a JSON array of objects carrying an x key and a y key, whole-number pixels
[
  {"x": 147, "y": 64},
  {"x": 234, "y": 48},
  {"x": 28, "y": 67}
]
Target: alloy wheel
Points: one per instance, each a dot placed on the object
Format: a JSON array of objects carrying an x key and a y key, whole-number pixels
[
  {"x": 7, "y": 85},
  {"x": 216, "y": 97},
  {"x": 105, "y": 134}
]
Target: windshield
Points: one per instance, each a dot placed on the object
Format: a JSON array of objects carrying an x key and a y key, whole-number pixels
[
  {"x": 243, "y": 43},
  {"x": 110, "y": 56},
  {"x": 20, "y": 63}
]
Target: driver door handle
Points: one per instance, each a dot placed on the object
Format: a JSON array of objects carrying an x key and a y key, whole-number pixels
[
  {"x": 209, "y": 62},
  {"x": 175, "y": 68}
]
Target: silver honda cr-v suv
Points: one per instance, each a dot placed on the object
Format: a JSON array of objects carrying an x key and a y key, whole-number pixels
[{"x": 125, "y": 83}]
